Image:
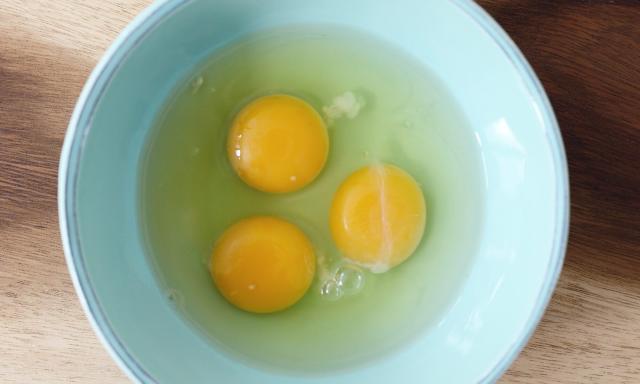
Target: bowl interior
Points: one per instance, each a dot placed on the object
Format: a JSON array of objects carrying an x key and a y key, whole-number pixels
[{"x": 524, "y": 231}]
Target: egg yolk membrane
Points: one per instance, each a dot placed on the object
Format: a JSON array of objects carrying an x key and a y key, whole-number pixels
[
  {"x": 278, "y": 144},
  {"x": 378, "y": 217},
  {"x": 263, "y": 264}
]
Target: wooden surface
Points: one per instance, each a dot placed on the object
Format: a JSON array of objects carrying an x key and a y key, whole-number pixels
[{"x": 587, "y": 54}]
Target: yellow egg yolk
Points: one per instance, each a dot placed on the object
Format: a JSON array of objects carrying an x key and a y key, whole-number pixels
[
  {"x": 278, "y": 144},
  {"x": 263, "y": 264},
  {"x": 378, "y": 216}
]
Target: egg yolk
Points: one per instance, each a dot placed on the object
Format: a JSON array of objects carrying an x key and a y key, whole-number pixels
[
  {"x": 263, "y": 264},
  {"x": 278, "y": 144},
  {"x": 378, "y": 216}
]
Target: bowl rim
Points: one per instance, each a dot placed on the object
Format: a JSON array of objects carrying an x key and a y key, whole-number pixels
[{"x": 144, "y": 24}]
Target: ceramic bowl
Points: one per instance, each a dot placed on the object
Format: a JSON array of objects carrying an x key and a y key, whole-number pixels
[{"x": 517, "y": 261}]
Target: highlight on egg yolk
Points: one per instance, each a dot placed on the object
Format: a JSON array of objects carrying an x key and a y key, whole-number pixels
[
  {"x": 278, "y": 144},
  {"x": 378, "y": 216},
  {"x": 263, "y": 264}
]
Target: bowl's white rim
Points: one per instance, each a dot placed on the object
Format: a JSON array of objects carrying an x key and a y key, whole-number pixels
[
  {"x": 143, "y": 24},
  {"x": 554, "y": 138}
]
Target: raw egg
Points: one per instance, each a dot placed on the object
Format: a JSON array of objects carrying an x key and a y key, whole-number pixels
[
  {"x": 263, "y": 264},
  {"x": 378, "y": 216},
  {"x": 278, "y": 144}
]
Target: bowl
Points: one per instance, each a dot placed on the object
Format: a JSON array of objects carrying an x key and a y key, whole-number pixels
[{"x": 524, "y": 230}]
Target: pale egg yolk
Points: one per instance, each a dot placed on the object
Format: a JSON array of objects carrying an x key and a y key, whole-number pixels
[
  {"x": 278, "y": 144},
  {"x": 263, "y": 264},
  {"x": 378, "y": 216}
]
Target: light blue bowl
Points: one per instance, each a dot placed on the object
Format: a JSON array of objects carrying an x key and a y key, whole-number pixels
[{"x": 525, "y": 229}]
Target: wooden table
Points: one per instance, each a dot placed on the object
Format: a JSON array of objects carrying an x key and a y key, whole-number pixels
[{"x": 587, "y": 54}]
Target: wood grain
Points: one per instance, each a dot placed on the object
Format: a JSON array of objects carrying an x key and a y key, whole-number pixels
[{"x": 587, "y": 54}]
